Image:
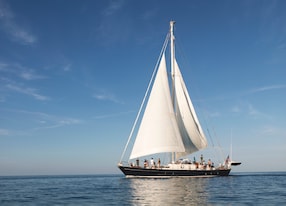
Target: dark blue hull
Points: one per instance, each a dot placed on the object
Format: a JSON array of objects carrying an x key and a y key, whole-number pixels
[{"x": 138, "y": 171}]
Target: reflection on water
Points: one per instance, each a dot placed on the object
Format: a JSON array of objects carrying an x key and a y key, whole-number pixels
[
  {"x": 170, "y": 191},
  {"x": 241, "y": 189}
]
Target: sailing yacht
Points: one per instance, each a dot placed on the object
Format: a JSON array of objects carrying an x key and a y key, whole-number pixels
[{"x": 169, "y": 125}]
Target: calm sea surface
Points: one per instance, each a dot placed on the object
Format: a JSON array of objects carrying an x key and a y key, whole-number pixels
[{"x": 237, "y": 189}]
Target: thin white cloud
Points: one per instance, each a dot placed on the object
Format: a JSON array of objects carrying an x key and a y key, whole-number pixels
[
  {"x": 49, "y": 121},
  {"x": 267, "y": 88},
  {"x": 2, "y": 99},
  {"x": 67, "y": 67},
  {"x": 215, "y": 114},
  {"x": 19, "y": 34},
  {"x": 274, "y": 131},
  {"x": 12, "y": 28},
  {"x": 56, "y": 122},
  {"x": 3, "y": 66},
  {"x": 12, "y": 76},
  {"x": 38, "y": 121},
  {"x": 30, "y": 75},
  {"x": 235, "y": 109},
  {"x": 246, "y": 108},
  {"x": 27, "y": 91},
  {"x": 282, "y": 45},
  {"x": 110, "y": 29},
  {"x": 113, "y": 7},
  {"x": 235, "y": 95},
  {"x": 252, "y": 111},
  {"x": 149, "y": 14},
  {"x": 4, "y": 132},
  {"x": 104, "y": 96},
  {"x": 19, "y": 71},
  {"x": 106, "y": 116}
]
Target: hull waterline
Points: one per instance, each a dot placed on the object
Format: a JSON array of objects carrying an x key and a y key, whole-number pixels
[{"x": 145, "y": 172}]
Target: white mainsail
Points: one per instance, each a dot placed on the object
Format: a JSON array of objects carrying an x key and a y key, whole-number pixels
[{"x": 158, "y": 131}]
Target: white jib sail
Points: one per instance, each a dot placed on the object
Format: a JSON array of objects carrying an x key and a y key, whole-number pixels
[
  {"x": 158, "y": 131},
  {"x": 190, "y": 128}
]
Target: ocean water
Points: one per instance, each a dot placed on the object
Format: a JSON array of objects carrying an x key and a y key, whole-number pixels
[{"x": 236, "y": 189}]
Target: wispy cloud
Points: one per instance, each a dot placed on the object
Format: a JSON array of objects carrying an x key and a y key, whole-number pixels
[
  {"x": 149, "y": 14},
  {"x": 19, "y": 71},
  {"x": 30, "y": 75},
  {"x": 4, "y": 132},
  {"x": 35, "y": 121},
  {"x": 105, "y": 116},
  {"x": 67, "y": 67},
  {"x": 14, "y": 77},
  {"x": 27, "y": 91},
  {"x": 12, "y": 28},
  {"x": 253, "y": 112},
  {"x": 2, "y": 99},
  {"x": 106, "y": 96},
  {"x": 113, "y": 27},
  {"x": 282, "y": 45},
  {"x": 214, "y": 114},
  {"x": 113, "y": 7},
  {"x": 246, "y": 108},
  {"x": 56, "y": 122},
  {"x": 235, "y": 95},
  {"x": 235, "y": 109},
  {"x": 49, "y": 121},
  {"x": 270, "y": 130},
  {"x": 266, "y": 88}
]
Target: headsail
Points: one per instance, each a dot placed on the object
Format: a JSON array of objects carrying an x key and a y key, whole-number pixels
[
  {"x": 191, "y": 132},
  {"x": 158, "y": 131}
]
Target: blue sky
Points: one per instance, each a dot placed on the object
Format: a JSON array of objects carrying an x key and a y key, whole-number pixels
[{"x": 73, "y": 74}]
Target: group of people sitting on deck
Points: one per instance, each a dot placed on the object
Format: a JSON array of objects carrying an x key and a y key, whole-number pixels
[
  {"x": 146, "y": 164},
  {"x": 200, "y": 164},
  {"x": 153, "y": 165}
]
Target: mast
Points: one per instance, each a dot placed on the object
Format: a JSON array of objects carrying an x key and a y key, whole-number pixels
[
  {"x": 172, "y": 44},
  {"x": 172, "y": 39}
]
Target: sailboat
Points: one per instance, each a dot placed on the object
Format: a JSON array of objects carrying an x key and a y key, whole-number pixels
[{"x": 169, "y": 125}]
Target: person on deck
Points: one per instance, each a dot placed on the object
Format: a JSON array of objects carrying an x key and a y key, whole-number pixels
[
  {"x": 209, "y": 163},
  {"x": 145, "y": 163},
  {"x": 152, "y": 162}
]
